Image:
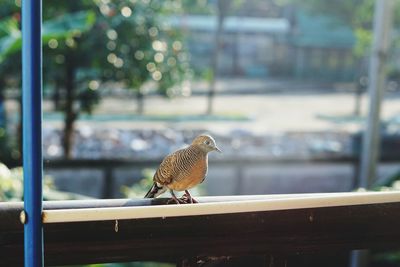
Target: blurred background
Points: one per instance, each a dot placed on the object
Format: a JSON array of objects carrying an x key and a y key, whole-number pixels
[{"x": 280, "y": 84}]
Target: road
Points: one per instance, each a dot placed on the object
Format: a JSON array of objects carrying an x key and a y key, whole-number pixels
[
  {"x": 274, "y": 106},
  {"x": 266, "y": 112}
]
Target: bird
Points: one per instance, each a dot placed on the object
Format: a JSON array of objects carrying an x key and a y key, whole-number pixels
[{"x": 183, "y": 169}]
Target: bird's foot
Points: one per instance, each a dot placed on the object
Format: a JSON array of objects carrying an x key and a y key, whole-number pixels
[
  {"x": 188, "y": 198},
  {"x": 175, "y": 200}
]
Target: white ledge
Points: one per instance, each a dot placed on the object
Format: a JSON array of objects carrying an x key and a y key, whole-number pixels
[{"x": 270, "y": 203}]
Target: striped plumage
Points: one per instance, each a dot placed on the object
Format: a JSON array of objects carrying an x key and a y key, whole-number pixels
[{"x": 184, "y": 168}]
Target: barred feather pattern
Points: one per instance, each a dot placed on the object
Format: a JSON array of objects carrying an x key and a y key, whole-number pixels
[{"x": 182, "y": 169}]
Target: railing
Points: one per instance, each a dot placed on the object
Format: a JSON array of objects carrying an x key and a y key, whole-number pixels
[{"x": 219, "y": 228}]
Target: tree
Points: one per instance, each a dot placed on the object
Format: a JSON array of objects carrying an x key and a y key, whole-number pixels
[
  {"x": 222, "y": 7},
  {"x": 10, "y": 76},
  {"x": 143, "y": 49},
  {"x": 128, "y": 43},
  {"x": 197, "y": 7},
  {"x": 71, "y": 63},
  {"x": 88, "y": 42},
  {"x": 125, "y": 42},
  {"x": 56, "y": 30}
]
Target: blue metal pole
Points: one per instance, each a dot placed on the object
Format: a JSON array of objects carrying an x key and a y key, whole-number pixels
[{"x": 32, "y": 130}]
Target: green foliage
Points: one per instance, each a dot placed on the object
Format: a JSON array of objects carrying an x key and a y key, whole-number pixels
[
  {"x": 143, "y": 48},
  {"x": 386, "y": 258},
  {"x": 140, "y": 189},
  {"x": 10, "y": 66},
  {"x": 392, "y": 183},
  {"x": 8, "y": 153},
  {"x": 88, "y": 42},
  {"x": 129, "y": 42},
  {"x": 197, "y": 7},
  {"x": 63, "y": 27},
  {"x": 10, "y": 37},
  {"x": 88, "y": 98},
  {"x": 10, "y": 7},
  {"x": 11, "y": 184},
  {"x": 69, "y": 24},
  {"x": 208, "y": 75},
  {"x": 364, "y": 40}
]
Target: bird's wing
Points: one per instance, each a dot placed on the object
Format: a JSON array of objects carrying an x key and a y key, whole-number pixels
[{"x": 166, "y": 171}]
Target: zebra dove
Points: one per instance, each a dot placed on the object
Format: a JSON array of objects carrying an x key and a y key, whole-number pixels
[{"x": 183, "y": 169}]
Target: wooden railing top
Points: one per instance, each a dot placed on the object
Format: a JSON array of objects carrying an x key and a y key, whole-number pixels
[
  {"x": 229, "y": 206},
  {"x": 218, "y": 226}
]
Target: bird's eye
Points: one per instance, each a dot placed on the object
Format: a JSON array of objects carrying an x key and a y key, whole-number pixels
[{"x": 207, "y": 142}]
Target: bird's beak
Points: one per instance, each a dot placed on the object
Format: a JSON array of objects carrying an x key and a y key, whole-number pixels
[{"x": 217, "y": 149}]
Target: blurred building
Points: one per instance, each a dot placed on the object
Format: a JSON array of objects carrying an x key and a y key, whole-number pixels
[
  {"x": 299, "y": 46},
  {"x": 322, "y": 48}
]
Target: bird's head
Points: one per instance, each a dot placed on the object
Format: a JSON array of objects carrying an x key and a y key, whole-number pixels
[{"x": 206, "y": 143}]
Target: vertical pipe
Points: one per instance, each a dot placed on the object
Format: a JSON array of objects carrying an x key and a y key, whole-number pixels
[
  {"x": 32, "y": 130},
  {"x": 380, "y": 46},
  {"x": 371, "y": 143}
]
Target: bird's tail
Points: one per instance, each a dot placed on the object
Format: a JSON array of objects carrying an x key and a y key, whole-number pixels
[{"x": 155, "y": 190}]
